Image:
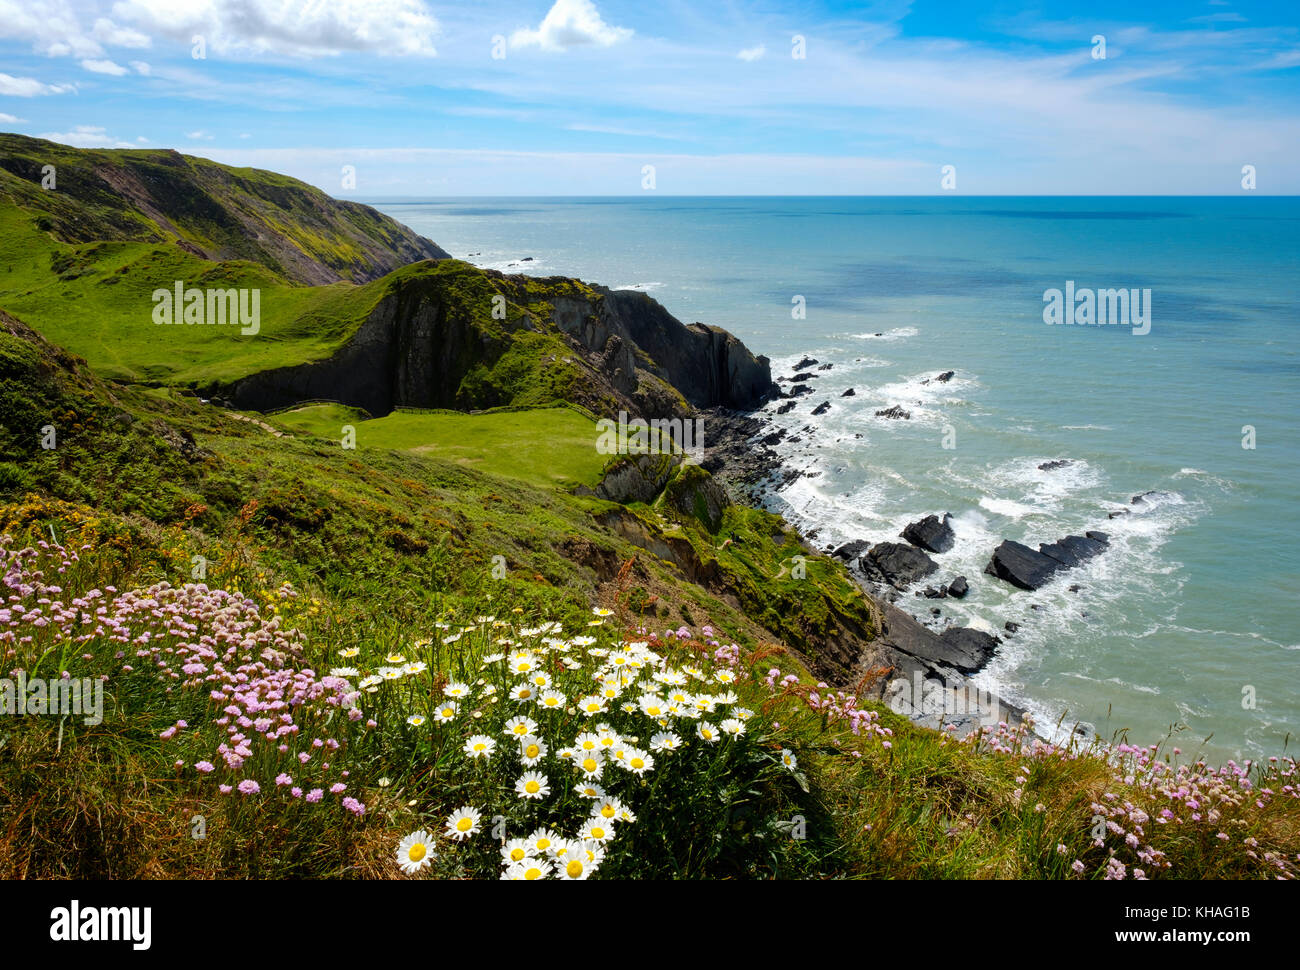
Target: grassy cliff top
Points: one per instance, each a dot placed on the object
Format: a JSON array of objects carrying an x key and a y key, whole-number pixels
[{"x": 216, "y": 211}]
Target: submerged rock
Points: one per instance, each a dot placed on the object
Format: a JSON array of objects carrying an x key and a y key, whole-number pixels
[
  {"x": 895, "y": 412},
  {"x": 822, "y": 408}
]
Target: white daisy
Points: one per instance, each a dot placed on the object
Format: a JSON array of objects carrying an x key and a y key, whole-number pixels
[
  {"x": 415, "y": 851},
  {"x": 665, "y": 741},
  {"x": 464, "y": 822},
  {"x": 531, "y": 750},
  {"x": 532, "y": 784}
]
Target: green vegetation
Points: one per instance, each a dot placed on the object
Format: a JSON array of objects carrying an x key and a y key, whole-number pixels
[
  {"x": 541, "y": 445},
  {"x": 175, "y": 548}
]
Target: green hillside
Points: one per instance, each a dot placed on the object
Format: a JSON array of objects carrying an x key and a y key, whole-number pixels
[{"x": 429, "y": 587}]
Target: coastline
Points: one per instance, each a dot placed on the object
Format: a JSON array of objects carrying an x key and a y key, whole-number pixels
[{"x": 930, "y": 673}]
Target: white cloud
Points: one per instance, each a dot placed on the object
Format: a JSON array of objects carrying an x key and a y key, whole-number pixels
[
  {"x": 570, "y": 23},
  {"x": 10, "y": 119},
  {"x": 141, "y": 67},
  {"x": 753, "y": 53},
  {"x": 29, "y": 87},
  {"x": 105, "y": 67},
  {"x": 85, "y": 136},
  {"x": 51, "y": 27},
  {"x": 198, "y": 136},
  {"x": 113, "y": 35},
  {"x": 299, "y": 28}
]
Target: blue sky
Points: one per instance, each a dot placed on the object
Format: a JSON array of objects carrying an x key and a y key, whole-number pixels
[{"x": 582, "y": 95}]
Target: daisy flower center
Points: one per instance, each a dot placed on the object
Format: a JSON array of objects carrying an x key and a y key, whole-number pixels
[{"x": 416, "y": 852}]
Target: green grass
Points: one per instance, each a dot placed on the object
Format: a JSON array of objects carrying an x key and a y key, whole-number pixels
[{"x": 543, "y": 446}]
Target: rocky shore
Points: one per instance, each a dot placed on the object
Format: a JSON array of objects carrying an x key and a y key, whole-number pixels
[
  {"x": 931, "y": 664},
  {"x": 929, "y": 680}
]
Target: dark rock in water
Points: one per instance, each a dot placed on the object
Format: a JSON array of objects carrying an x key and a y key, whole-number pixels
[
  {"x": 1116, "y": 514},
  {"x": 931, "y": 534},
  {"x": 958, "y": 587},
  {"x": 1075, "y": 587},
  {"x": 800, "y": 389},
  {"x": 806, "y": 362},
  {"x": 1049, "y": 466},
  {"x": 1072, "y": 550},
  {"x": 895, "y": 412},
  {"x": 897, "y": 564},
  {"x": 931, "y": 593},
  {"x": 852, "y": 551},
  {"x": 1021, "y": 566},
  {"x": 825, "y": 366},
  {"x": 775, "y": 437},
  {"x": 969, "y": 650},
  {"x": 1101, "y": 537},
  {"x": 943, "y": 378},
  {"x": 822, "y": 408},
  {"x": 1011, "y": 627},
  {"x": 785, "y": 407},
  {"x": 849, "y": 393},
  {"x": 1147, "y": 498},
  {"x": 935, "y": 611},
  {"x": 526, "y": 259}
]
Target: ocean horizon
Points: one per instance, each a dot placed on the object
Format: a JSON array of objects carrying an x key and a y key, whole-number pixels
[{"x": 1188, "y": 624}]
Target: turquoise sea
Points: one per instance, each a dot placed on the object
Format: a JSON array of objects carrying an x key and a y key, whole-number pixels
[{"x": 1190, "y": 622}]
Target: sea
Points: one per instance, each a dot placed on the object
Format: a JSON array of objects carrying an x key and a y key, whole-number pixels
[{"x": 1186, "y": 631}]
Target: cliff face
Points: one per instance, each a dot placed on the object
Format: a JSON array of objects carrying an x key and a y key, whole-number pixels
[
  {"x": 707, "y": 364},
  {"x": 421, "y": 329},
  {"x": 433, "y": 341}
]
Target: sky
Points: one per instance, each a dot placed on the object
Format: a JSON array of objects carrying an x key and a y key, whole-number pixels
[{"x": 375, "y": 99}]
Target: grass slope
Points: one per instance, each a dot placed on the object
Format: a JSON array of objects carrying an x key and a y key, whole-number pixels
[{"x": 540, "y": 445}]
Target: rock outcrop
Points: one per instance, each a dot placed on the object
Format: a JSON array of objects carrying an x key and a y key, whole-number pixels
[
  {"x": 1030, "y": 569},
  {"x": 896, "y": 564},
  {"x": 931, "y": 533}
]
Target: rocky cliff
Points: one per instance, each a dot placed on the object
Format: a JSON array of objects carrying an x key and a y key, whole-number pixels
[{"x": 449, "y": 335}]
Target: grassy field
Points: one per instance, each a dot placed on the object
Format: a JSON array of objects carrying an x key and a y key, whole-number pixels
[{"x": 544, "y": 446}]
